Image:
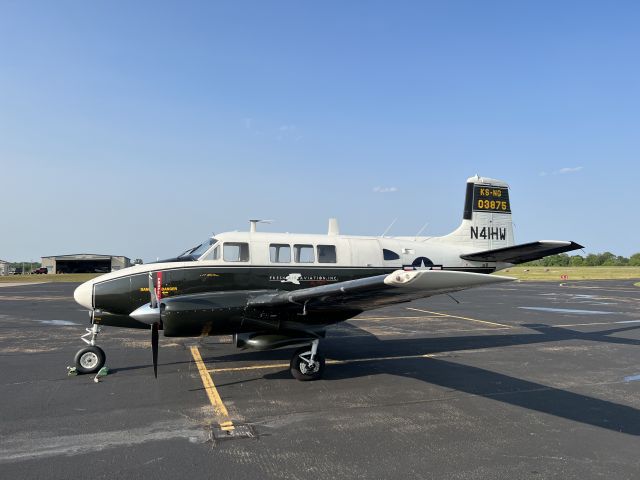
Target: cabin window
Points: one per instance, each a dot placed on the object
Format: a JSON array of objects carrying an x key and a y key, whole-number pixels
[
  {"x": 390, "y": 254},
  {"x": 326, "y": 253},
  {"x": 304, "y": 253},
  {"x": 280, "y": 253},
  {"x": 236, "y": 252}
]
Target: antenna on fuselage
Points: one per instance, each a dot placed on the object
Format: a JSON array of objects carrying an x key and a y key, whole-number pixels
[
  {"x": 420, "y": 231},
  {"x": 389, "y": 227},
  {"x": 254, "y": 223}
]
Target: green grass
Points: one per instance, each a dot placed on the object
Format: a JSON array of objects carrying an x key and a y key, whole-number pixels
[
  {"x": 551, "y": 274},
  {"x": 554, "y": 274},
  {"x": 68, "y": 277}
]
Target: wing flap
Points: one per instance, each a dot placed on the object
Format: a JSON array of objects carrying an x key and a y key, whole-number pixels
[{"x": 525, "y": 252}]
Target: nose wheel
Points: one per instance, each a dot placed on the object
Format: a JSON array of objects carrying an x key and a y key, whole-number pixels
[
  {"x": 307, "y": 363},
  {"x": 90, "y": 359}
]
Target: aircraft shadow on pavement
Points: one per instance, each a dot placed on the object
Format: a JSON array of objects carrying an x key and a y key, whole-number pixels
[{"x": 469, "y": 379}]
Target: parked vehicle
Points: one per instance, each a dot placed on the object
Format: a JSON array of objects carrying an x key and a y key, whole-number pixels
[{"x": 40, "y": 270}]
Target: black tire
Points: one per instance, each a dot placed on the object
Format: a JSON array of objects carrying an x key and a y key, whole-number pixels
[
  {"x": 299, "y": 368},
  {"x": 90, "y": 359}
]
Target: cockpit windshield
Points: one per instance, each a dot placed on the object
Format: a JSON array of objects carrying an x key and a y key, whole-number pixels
[{"x": 195, "y": 252}]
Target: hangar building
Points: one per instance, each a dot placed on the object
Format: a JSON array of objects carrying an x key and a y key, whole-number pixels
[
  {"x": 85, "y": 263},
  {"x": 4, "y": 267}
]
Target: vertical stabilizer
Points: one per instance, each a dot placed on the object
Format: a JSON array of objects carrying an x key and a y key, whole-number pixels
[{"x": 486, "y": 222}]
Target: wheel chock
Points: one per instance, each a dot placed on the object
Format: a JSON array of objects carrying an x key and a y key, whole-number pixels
[{"x": 103, "y": 372}]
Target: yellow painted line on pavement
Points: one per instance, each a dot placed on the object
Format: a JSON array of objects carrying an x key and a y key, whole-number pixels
[
  {"x": 575, "y": 325},
  {"x": 630, "y": 322},
  {"x": 421, "y": 317},
  {"x": 333, "y": 362},
  {"x": 251, "y": 367},
  {"x": 501, "y": 325},
  {"x": 212, "y": 392}
]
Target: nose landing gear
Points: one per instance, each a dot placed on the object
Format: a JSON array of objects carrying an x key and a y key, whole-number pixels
[{"x": 90, "y": 359}]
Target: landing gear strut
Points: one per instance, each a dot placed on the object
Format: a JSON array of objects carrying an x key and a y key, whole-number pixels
[
  {"x": 90, "y": 359},
  {"x": 307, "y": 363}
]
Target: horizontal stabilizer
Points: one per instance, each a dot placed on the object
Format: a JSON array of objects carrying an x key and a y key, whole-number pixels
[{"x": 525, "y": 252}]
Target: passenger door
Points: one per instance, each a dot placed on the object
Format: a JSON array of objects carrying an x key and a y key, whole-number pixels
[{"x": 365, "y": 252}]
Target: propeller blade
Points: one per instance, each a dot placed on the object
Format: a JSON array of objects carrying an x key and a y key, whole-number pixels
[
  {"x": 154, "y": 347},
  {"x": 152, "y": 291}
]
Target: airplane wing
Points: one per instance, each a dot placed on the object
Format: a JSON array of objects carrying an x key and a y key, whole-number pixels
[
  {"x": 374, "y": 292},
  {"x": 522, "y": 253},
  {"x": 190, "y": 314}
]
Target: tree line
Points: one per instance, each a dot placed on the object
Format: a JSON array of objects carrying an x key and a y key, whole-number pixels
[{"x": 606, "y": 259}]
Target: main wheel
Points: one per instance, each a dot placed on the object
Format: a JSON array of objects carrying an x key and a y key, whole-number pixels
[
  {"x": 300, "y": 368},
  {"x": 90, "y": 359}
]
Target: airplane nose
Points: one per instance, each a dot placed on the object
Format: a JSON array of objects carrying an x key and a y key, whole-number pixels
[{"x": 83, "y": 295}]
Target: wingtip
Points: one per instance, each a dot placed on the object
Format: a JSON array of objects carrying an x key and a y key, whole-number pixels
[{"x": 503, "y": 278}]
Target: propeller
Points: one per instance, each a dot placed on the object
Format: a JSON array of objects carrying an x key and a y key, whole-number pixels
[
  {"x": 155, "y": 304},
  {"x": 154, "y": 347},
  {"x": 151, "y": 314}
]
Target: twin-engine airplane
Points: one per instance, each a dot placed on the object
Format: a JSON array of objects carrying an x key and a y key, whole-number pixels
[{"x": 277, "y": 289}]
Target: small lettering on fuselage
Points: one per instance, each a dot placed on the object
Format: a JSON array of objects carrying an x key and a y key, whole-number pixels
[
  {"x": 303, "y": 278},
  {"x": 164, "y": 289},
  {"x": 488, "y": 233}
]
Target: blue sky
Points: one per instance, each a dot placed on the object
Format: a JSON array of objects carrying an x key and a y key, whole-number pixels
[{"x": 138, "y": 128}]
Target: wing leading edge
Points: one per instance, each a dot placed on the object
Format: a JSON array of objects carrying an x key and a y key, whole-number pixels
[
  {"x": 525, "y": 252},
  {"x": 380, "y": 290}
]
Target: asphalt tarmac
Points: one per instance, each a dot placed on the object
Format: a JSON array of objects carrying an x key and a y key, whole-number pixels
[{"x": 527, "y": 380}]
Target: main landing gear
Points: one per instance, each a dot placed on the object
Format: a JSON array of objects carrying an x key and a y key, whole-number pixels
[
  {"x": 90, "y": 359},
  {"x": 307, "y": 363}
]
